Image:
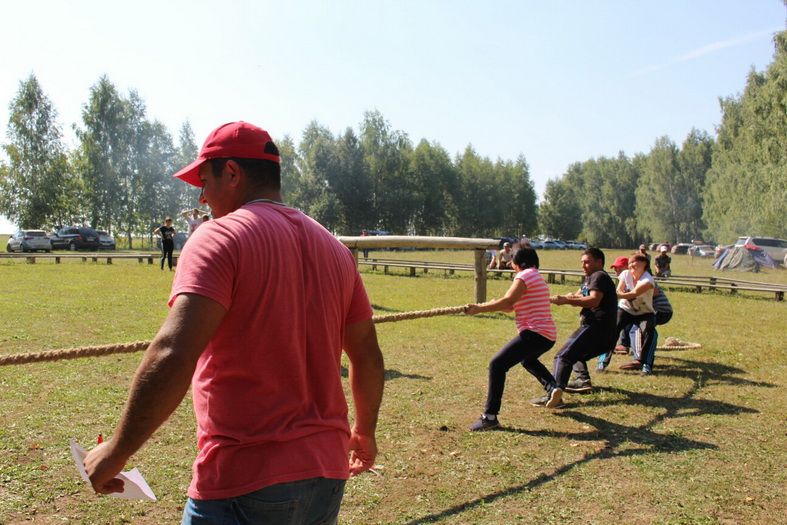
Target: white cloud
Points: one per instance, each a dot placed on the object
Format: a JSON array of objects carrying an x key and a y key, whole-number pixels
[{"x": 706, "y": 50}]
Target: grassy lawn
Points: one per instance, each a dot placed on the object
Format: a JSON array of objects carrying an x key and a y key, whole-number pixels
[{"x": 701, "y": 441}]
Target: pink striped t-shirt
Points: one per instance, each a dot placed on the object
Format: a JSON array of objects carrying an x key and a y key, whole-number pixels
[{"x": 533, "y": 310}]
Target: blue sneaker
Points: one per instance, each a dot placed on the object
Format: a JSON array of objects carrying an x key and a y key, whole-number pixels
[{"x": 484, "y": 423}]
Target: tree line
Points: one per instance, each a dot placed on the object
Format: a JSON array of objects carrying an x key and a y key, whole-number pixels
[{"x": 118, "y": 176}]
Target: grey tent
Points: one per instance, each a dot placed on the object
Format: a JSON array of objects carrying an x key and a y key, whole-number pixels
[{"x": 745, "y": 258}]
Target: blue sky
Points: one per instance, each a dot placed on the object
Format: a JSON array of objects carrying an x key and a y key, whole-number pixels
[{"x": 557, "y": 82}]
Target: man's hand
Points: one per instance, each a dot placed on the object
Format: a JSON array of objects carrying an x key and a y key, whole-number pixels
[
  {"x": 363, "y": 451},
  {"x": 102, "y": 465},
  {"x": 558, "y": 300}
]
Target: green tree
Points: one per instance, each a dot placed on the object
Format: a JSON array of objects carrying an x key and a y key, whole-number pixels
[
  {"x": 746, "y": 187},
  {"x": 185, "y": 153},
  {"x": 33, "y": 184},
  {"x": 560, "y": 214},
  {"x": 104, "y": 152},
  {"x": 660, "y": 195},
  {"x": 434, "y": 180},
  {"x": 386, "y": 153}
]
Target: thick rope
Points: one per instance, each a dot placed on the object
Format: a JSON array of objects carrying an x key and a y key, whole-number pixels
[
  {"x": 93, "y": 351},
  {"x": 418, "y": 314},
  {"x": 72, "y": 353}
]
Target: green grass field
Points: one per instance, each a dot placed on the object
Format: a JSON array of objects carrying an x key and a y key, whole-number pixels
[{"x": 701, "y": 441}]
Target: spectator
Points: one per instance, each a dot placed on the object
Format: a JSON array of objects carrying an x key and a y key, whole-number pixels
[
  {"x": 167, "y": 234},
  {"x": 193, "y": 218},
  {"x": 663, "y": 263},
  {"x": 263, "y": 342},
  {"x": 503, "y": 259}
]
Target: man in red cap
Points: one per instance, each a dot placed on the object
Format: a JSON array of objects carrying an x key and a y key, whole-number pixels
[{"x": 260, "y": 343}]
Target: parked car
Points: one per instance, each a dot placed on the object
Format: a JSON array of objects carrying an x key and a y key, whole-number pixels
[
  {"x": 682, "y": 248},
  {"x": 105, "y": 240},
  {"x": 29, "y": 241},
  {"x": 702, "y": 250},
  {"x": 575, "y": 245},
  {"x": 75, "y": 238},
  {"x": 550, "y": 245},
  {"x": 776, "y": 248},
  {"x": 538, "y": 244}
]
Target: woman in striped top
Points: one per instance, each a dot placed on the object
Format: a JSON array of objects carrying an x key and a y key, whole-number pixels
[{"x": 528, "y": 297}]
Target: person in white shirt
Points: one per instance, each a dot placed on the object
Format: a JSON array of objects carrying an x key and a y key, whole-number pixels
[{"x": 193, "y": 218}]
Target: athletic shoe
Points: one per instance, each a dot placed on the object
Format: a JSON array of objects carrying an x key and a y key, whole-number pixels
[
  {"x": 631, "y": 365},
  {"x": 622, "y": 350},
  {"x": 484, "y": 423},
  {"x": 579, "y": 386},
  {"x": 601, "y": 368},
  {"x": 553, "y": 399}
]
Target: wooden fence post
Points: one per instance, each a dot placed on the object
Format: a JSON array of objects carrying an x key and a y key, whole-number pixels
[{"x": 480, "y": 276}]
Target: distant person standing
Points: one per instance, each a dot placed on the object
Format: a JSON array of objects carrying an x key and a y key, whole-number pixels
[
  {"x": 167, "y": 234},
  {"x": 194, "y": 217}
]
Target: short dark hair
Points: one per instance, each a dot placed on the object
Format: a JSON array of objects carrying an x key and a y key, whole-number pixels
[
  {"x": 525, "y": 257},
  {"x": 596, "y": 253},
  {"x": 264, "y": 173}
]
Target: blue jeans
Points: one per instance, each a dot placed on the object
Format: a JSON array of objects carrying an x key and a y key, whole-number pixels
[{"x": 314, "y": 501}]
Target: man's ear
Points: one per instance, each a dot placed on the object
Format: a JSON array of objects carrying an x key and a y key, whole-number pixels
[{"x": 233, "y": 170}]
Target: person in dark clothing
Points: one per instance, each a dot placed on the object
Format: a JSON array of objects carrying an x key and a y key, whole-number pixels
[
  {"x": 597, "y": 332},
  {"x": 167, "y": 234}
]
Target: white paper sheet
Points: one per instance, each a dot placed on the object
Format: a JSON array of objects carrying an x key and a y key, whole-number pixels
[{"x": 134, "y": 485}]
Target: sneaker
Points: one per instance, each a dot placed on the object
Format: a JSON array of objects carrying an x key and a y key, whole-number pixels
[
  {"x": 540, "y": 401},
  {"x": 621, "y": 350},
  {"x": 579, "y": 386},
  {"x": 646, "y": 370},
  {"x": 631, "y": 365},
  {"x": 601, "y": 368},
  {"x": 484, "y": 423},
  {"x": 553, "y": 399}
]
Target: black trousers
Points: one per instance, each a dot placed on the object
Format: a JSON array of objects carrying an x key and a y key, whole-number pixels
[
  {"x": 525, "y": 348},
  {"x": 167, "y": 246},
  {"x": 587, "y": 342}
]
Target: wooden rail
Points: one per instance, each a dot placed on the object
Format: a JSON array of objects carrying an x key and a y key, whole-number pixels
[
  {"x": 553, "y": 275},
  {"x": 31, "y": 257}
]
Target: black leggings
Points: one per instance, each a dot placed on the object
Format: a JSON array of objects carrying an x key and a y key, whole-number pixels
[
  {"x": 525, "y": 348},
  {"x": 166, "y": 252}
]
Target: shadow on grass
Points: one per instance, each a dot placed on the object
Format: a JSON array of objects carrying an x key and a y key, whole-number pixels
[
  {"x": 616, "y": 436},
  {"x": 385, "y": 308},
  {"x": 392, "y": 374}
]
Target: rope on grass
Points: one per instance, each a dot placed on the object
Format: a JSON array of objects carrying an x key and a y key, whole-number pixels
[
  {"x": 673, "y": 343},
  {"x": 125, "y": 348}
]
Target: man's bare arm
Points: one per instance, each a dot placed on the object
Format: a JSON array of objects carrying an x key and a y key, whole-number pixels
[
  {"x": 367, "y": 379},
  {"x": 159, "y": 385}
]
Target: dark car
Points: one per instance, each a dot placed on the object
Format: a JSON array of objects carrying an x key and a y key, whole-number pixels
[
  {"x": 106, "y": 241},
  {"x": 75, "y": 238}
]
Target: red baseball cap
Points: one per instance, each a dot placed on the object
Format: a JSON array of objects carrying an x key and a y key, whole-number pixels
[
  {"x": 620, "y": 262},
  {"x": 234, "y": 139}
]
